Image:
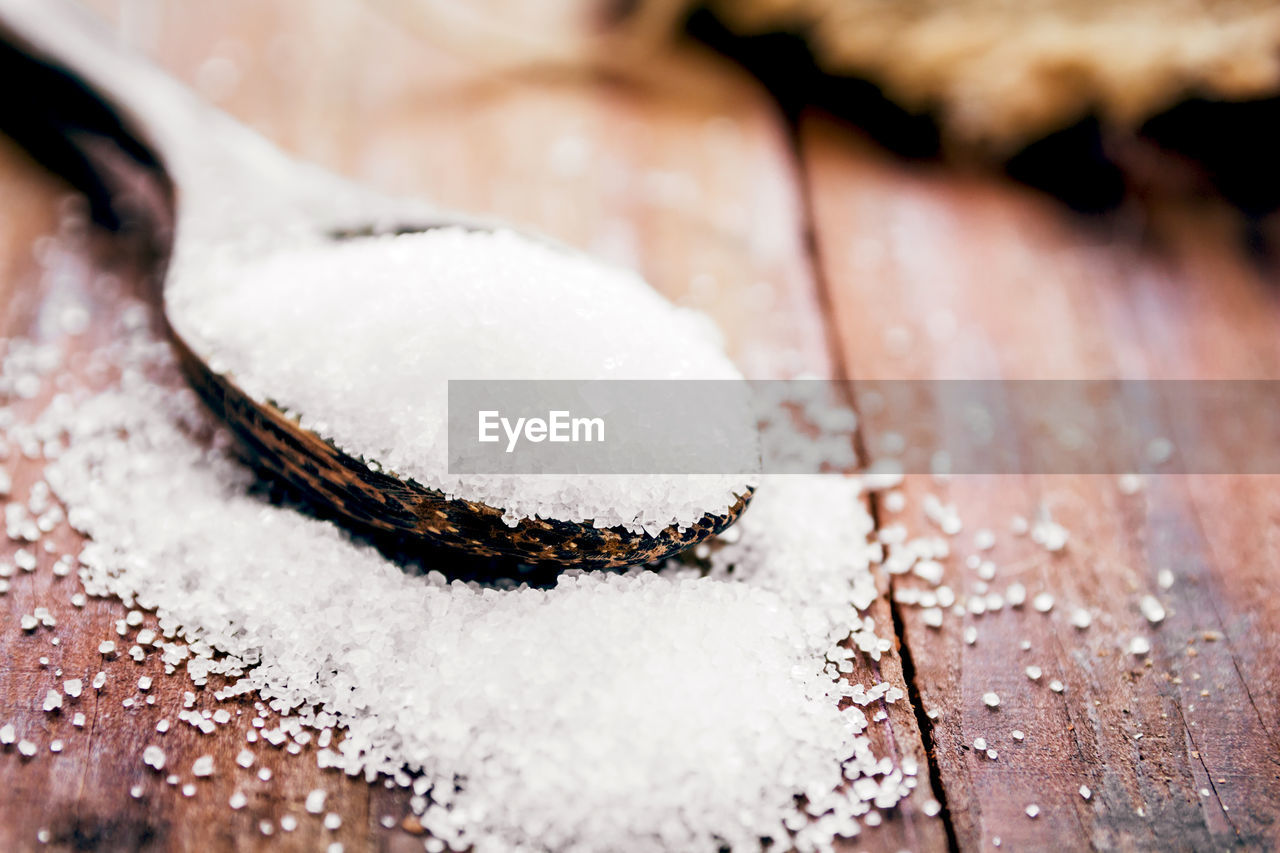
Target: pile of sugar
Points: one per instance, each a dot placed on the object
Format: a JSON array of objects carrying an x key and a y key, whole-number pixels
[
  {"x": 682, "y": 709},
  {"x": 357, "y": 340}
]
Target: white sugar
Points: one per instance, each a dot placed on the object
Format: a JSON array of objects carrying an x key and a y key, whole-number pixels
[
  {"x": 674, "y": 709},
  {"x": 608, "y": 707},
  {"x": 315, "y": 801},
  {"x": 1152, "y": 609},
  {"x": 358, "y": 339},
  {"x": 153, "y": 756}
]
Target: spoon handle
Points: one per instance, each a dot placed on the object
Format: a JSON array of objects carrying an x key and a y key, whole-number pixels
[
  {"x": 79, "y": 85},
  {"x": 78, "y": 82}
]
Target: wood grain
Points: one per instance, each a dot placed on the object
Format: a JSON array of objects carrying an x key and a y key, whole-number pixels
[
  {"x": 686, "y": 172},
  {"x": 937, "y": 274}
]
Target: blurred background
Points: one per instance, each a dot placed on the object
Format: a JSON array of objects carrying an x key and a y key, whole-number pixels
[{"x": 1096, "y": 102}]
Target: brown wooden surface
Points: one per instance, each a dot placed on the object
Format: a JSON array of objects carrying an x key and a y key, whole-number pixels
[
  {"x": 689, "y": 172},
  {"x": 988, "y": 281}
]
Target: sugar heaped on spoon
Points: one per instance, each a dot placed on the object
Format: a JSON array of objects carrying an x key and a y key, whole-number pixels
[{"x": 322, "y": 321}]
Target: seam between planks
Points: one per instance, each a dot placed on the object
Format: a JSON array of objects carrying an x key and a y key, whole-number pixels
[{"x": 843, "y": 375}]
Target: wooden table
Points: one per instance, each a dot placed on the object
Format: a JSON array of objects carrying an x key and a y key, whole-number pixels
[{"x": 818, "y": 254}]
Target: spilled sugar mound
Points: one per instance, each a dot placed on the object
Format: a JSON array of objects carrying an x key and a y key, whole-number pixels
[
  {"x": 358, "y": 339},
  {"x": 639, "y": 711}
]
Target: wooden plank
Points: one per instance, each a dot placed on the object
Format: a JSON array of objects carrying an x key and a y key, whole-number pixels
[
  {"x": 938, "y": 274},
  {"x": 686, "y": 172}
]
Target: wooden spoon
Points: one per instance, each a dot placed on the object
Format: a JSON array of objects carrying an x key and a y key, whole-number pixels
[{"x": 236, "y": 196}]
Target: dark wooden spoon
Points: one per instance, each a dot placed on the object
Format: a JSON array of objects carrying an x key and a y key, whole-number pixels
[{"x": 234, "y": 195}]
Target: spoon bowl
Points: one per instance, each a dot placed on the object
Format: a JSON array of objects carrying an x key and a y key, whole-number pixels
[{"x": 236, "y": 198}]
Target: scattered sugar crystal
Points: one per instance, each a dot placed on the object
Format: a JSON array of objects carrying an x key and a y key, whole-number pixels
[
  {"x": 203, "y": 766},
  {"x": 991, "y": 699},
  {"x": 55, "y": 746},
  {"x": 26, "y": 748},
  {"x": 144, "y": 683},
  {"x": 238, "y": 800},
  {"x": 106, "y": 647},
  {"x": 162, "y": 726},
  {"x": 441, "y": 304},
  {"x": 1015, "y": 594},
  {"x": 932, "y": 616},
  {"x": 1057, "y": 686},
  {"x": 1139, "y": 646},
  {"x": 1152, "y": 609},
  {"x": 1017, "y": 734},
  {"x": 153, "y": 756},
  {"x": 244, "y": 758},
  {"x": 1081, "y": 618},
  {"x": 1033, "y": 810},
  {"x": 1085, "y": 792},
  {"x": 1164, "y": 579},
  {"x": 971, "y": 635},
  {"x": 992, "y": 754},
  {"x": 29, "y": 623},
  {"x": 1043, "y": 602},
  {"x": 264, "y": 773},
  {"x": 315, "y": 801},
  {"x": 1034, "y": 672},
  {"x": 136, "y": 792},
  {"x": 1130, "y": 484},
  {"x": 1159, "y": 450},
  {"x": 99, "y": 680},
  {"x": 78, "y": 720},
  {"x": 7, "y": 734},
  {"x": 1048, "y": 533},
  {"x": 288, "y": 823},
  {"x": 332, "y": 821},
  {"x": 984, "y": 539},
  {"x": 980, "y": 744},
  {"x": 52, "y": 700},
  {"x": 931, "y": 808},
  {"x": 73, "y": 688}
]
